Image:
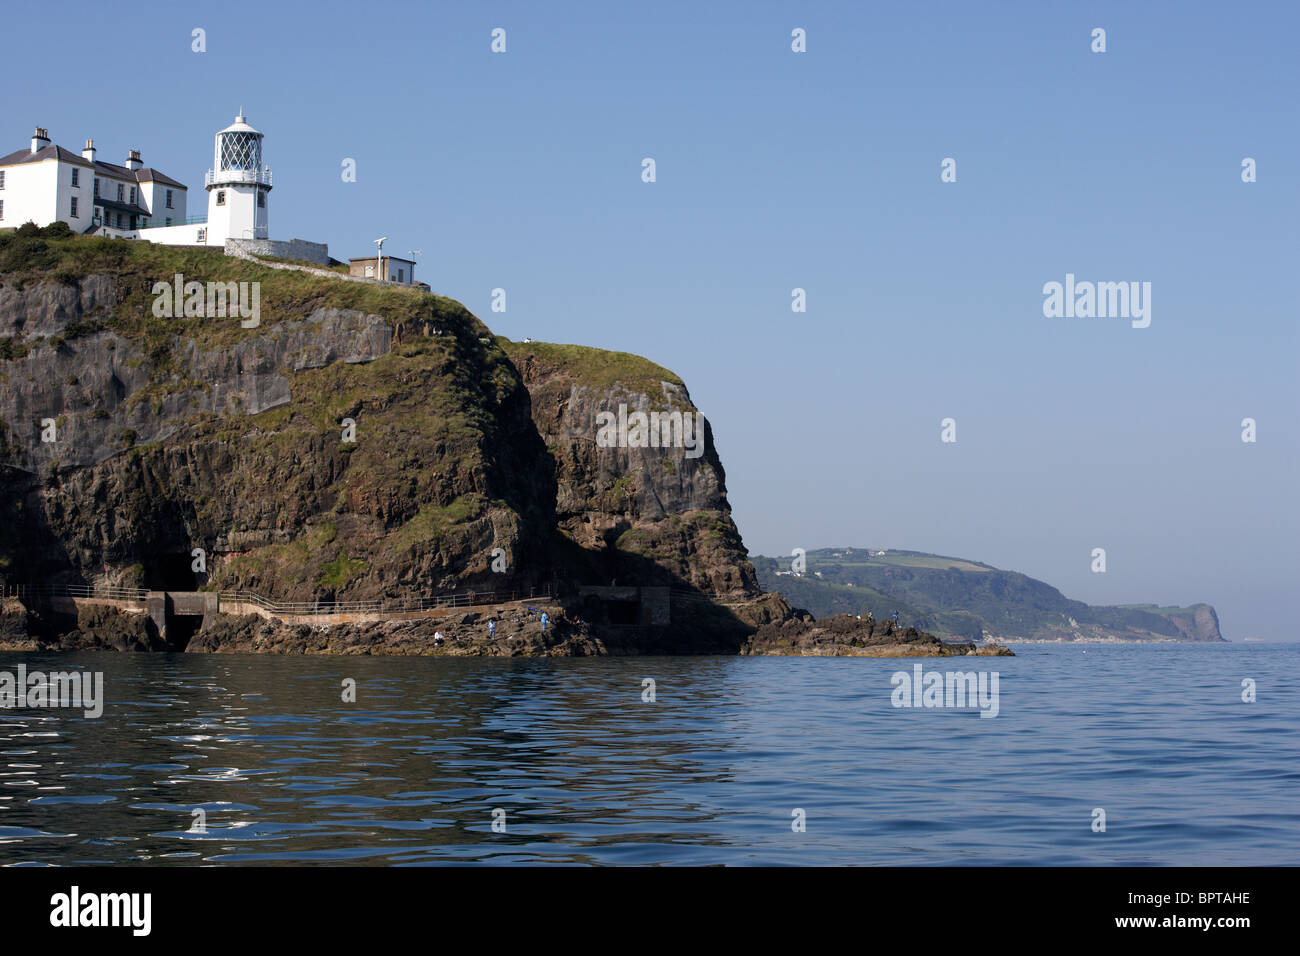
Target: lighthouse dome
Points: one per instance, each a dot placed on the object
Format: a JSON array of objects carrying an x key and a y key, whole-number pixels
[{"x": 240, "y": 125}]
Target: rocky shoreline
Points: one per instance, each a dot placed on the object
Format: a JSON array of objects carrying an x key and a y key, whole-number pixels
[
  {"x": 518, "y": 633},
  {"x": 846, "y": 635}
]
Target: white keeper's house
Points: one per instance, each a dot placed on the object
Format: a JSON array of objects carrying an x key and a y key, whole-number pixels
[{"x": 45, "y": 183}]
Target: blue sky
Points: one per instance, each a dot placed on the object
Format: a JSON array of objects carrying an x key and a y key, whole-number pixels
[{"x": 819, "y": 170}]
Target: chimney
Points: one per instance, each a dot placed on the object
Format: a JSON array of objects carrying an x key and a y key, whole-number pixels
[
  {"x": 133, "y": 159},
  {"x": 88, "y": 154},
  {"x": 40, "y": 139}
]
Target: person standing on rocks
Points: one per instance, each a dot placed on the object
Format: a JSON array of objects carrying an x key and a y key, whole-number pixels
[
  {"x": 492, "y": 629},
  {"x": 544, "y": 619}
]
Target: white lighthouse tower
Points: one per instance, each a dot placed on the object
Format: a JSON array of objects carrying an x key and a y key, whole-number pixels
[{"x": 237, "y": 185}]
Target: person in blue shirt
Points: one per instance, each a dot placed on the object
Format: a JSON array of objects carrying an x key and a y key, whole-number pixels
[
  {"x": 492, "y": 629},
  {"x": 544, "y": 619}
]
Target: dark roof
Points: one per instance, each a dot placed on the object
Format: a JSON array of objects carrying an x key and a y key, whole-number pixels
[
  {"x": 138, "y": 175},
  {"x": 121, "y": 206},
  {"x": 147, "y": 174},
  {"x": 42, "y": 154}
]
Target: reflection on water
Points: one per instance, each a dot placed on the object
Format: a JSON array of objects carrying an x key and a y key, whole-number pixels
[{"x": 286, "y": 772}]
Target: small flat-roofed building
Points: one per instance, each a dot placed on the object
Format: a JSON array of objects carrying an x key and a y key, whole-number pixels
[{"x": 392, "y": 269}]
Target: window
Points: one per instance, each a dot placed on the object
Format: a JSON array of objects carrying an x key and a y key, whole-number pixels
[
  {"x": 76, "y": 177},
  {"x": 2, "y": 208},
  {"x": 74, "y": 208},
  {"x": 221, "y": 197},
  {"x": 132, "y": 195},
  {"x": 96, "y": 187},
  {"x": 2, "y": 179},
  {"x": 169, "y": 202},
  {"x": 261, "y": 199},
  {"x": 370, "y": 272},
  {"x": 120, "y": 188}
]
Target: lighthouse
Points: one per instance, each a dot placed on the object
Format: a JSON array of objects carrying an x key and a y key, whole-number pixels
[{"x": 237, "y": 185}]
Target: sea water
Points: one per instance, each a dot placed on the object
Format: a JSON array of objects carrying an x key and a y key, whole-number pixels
[{"x": 226, "y": 760}]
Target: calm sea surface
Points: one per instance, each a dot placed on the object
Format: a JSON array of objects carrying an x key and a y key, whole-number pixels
[{"x": 710, "y": 772}]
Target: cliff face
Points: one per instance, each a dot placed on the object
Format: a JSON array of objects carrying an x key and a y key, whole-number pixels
[
  {"x": 640, "y": 512},
  {"x": 171, "y": 435}
]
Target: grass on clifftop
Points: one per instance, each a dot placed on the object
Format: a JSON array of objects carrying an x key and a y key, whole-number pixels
[
  {"x": 598, "y": 368},
  {"x": 30, "y": 256}
]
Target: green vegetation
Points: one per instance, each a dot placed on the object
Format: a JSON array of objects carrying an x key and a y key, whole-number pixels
[
  {"x": 432, "y": 522},
  {"x": 598, "y": 368},
  {"x": 11, "y": 350},
  {"x": 337, "y": 573},
  {"x": 28, "y": 255}
]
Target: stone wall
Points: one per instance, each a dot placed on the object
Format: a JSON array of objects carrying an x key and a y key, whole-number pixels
[{"x": 317, "y": 252}]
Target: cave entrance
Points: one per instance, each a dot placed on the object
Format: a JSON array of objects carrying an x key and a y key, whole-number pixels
[{"x": 170, "y": 572}]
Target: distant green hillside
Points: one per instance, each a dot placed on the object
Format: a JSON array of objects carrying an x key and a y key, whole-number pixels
[{"x": 958, "y": 598}]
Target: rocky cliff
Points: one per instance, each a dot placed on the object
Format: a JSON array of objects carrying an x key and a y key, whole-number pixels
[
  {"x": 639, "y": 511},
  {"x": 360, "y": 442}
]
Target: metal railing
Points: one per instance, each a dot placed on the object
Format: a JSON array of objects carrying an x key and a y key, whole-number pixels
[
  {"x": 260, "y": 176},
  {"x": 400, "y": 606},
  {"x": 164, "y": 224},
  {"x": 73, "y": 590},
  {"x": 394, "y": 606}
]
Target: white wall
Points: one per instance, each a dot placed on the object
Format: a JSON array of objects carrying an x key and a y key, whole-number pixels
[
  {"x": 175, "y": 235},
  {"x": 84, "y": 191},
  {"x": 240, "y": 215},
  {"x": 155, "y": 199},
  {"x": 30, "y": 193},
  {"x": 42, "y": 192}
]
